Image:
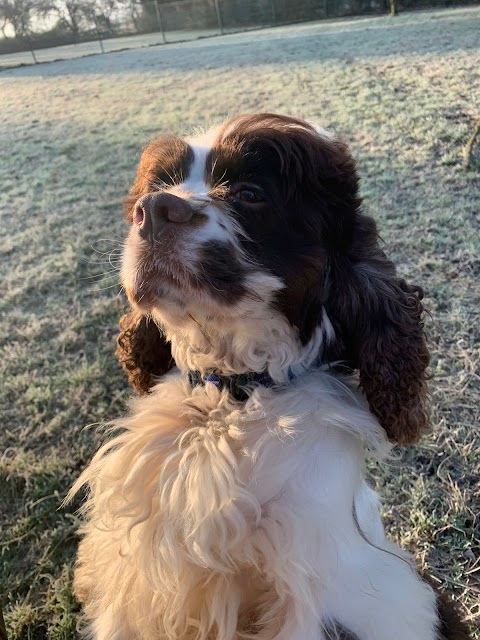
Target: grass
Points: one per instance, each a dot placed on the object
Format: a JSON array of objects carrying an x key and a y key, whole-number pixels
[{"x": 402, "y": 91}]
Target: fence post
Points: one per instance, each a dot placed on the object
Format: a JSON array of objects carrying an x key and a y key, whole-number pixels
[
  {"x": 219, "y": 16},
  {"x": 30, "y": 47},
  {"x": 99, "y": 40},
  {"x": 274, "y": 13},
  {"x": 160, "y": 22}
]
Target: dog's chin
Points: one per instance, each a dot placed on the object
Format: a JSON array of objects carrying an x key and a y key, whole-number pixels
[
  {"x": 160, "y": 288},
  {"x": 178, "y": 295},
  {"x": 208, "y": 280},
  {"x": 156, "y": 271}
]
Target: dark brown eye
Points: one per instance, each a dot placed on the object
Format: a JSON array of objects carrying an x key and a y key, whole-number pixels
[{"x": 248, "y": 195}]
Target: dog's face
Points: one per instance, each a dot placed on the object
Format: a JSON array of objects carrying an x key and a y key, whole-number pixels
[
  {"x": 260, "y": 219},
  {"x": 239, "y": 214}
]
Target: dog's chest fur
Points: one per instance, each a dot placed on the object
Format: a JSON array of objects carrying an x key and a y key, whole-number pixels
[{"x": 235, "y": 520}]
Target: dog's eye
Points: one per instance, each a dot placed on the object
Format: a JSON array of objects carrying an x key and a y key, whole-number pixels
[{"x": 248, "y": 195}]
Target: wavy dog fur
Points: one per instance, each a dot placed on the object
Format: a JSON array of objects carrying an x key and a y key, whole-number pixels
[{"x": 208, "y": 517}]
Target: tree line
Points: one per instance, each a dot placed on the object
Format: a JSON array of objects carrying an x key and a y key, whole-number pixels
[
  {"x": 51, "y": 22},
  {"x": 20, "y": 18}
]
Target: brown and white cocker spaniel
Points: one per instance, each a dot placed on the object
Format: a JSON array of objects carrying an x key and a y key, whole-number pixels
[{"x": 275, "y": 348}]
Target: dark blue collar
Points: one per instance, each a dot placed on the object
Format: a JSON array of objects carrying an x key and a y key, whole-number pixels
[{"x": 237, "y": 385}]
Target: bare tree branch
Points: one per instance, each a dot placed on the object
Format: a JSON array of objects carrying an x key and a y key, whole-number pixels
[{"x": 17, "y": 14}]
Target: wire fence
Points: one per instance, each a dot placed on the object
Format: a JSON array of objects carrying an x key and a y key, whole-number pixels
[{"x": 143, "y": 23}]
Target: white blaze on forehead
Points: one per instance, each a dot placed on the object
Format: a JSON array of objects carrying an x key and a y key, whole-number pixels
[
  {"x": 195, "y": 181},
  {"x": 217, "y": 225}
]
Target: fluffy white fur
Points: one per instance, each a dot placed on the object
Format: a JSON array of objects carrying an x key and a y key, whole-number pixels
[{"x": 209, "y": 521}]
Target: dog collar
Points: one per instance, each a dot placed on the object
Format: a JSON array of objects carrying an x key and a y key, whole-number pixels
[{"x": 234, "y": 384}]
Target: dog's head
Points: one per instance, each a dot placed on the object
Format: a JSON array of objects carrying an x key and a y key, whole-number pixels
[{"x": 248, "y": 249}]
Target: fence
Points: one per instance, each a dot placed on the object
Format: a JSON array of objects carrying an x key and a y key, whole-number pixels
[{"x": 149, "y": 22}]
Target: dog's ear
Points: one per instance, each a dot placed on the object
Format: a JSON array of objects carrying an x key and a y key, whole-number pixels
[
  {"x": 142, "y": 351},
  {"x": 378, "y": 320},
  {"x": 377, "y": 317}
]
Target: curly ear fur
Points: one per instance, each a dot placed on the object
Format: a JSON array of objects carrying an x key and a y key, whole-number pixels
[
  {"x": 393, "y": 360},
  {"x": 379, "y": 320},
  {"x": 142, "y": 351}
]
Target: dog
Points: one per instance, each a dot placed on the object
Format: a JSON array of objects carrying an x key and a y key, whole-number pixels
[{"x": 275, "y": 349}]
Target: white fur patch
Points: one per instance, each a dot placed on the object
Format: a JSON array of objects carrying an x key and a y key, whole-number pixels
[
  {"x": 207, "y": 521},
  {"x": 219, "y": 226},
  {"x": 329, "y": 331},
  {"x": 195, "y": 184}
]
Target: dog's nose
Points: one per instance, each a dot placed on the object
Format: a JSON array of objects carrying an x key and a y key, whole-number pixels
[{"x": 155, "y": 210}]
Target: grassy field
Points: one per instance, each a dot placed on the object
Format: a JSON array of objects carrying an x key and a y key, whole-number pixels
[{"x": 404, "y": 92}]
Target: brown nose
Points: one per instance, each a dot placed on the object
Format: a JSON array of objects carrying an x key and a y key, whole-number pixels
[{"x": 155, "y": 210}]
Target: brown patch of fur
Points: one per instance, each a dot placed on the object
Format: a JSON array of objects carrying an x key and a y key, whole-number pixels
[
  {"x": 451, "y": 626},
  {"x": 379, "y": 320},
  {"x": 142, "y": 351}
]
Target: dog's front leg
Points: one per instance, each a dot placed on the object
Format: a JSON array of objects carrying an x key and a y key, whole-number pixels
[{"x": 378, "y": 595}]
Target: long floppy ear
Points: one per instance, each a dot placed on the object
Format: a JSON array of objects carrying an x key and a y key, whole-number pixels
[
  {"x": 379, "y": 320},
  {"x": 377, "y": 317},
  {"x": 142, "y": 351}
]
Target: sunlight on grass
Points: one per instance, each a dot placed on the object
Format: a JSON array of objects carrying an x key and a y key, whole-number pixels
[{"x": 403, "y": 92}]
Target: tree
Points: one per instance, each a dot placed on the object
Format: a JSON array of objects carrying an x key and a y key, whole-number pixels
[
  {"x": 133, "y": 9},
  {"x": 17, "y": 14},
  {"x": 393, "y": 8},
  {"x": 99, "y": 12},
  {"x": 75, "y": 15},
  {"x": 3, "y": 25},
  {"x": 70, "y": 13}
]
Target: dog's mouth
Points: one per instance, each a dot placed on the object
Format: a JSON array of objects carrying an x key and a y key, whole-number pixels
[
  {"x": 216, "y": 279},
  {"x": 158, "y": 275},
  {"x": 160, "y": 269}
]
